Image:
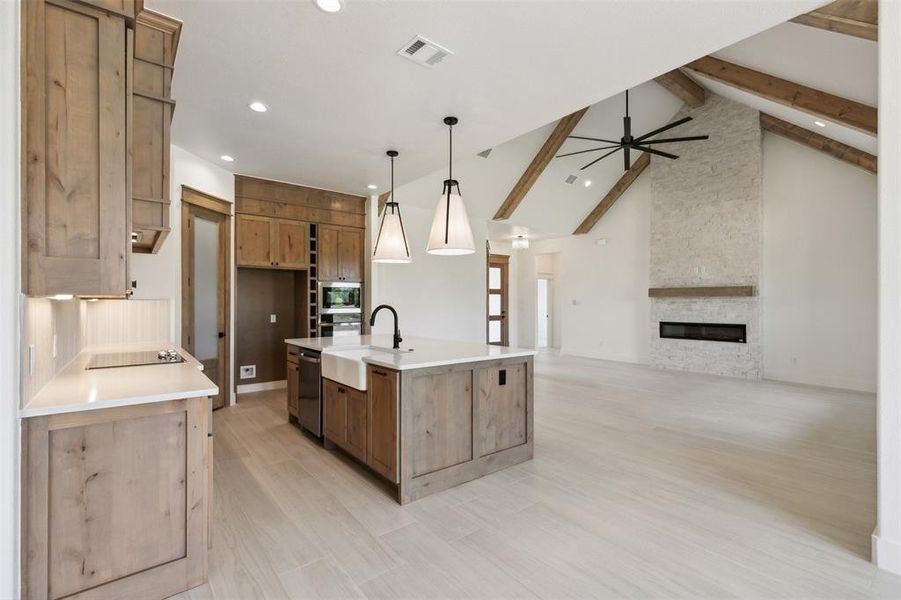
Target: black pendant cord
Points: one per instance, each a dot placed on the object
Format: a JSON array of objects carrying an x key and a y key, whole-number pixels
[
  {"x": 392, "y": 179},
  {"x": 450, "y": 179},
  {"x": 627, "y": 103}
]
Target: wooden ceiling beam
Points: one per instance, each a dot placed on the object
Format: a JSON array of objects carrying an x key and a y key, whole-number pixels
[
  {"x": 544, "y": 156},
  {"x": 618, "y": 189},
  {"x": 821, "y": 104},
  {"x": 683, "y": 87},
  {"x": 859, "y": 18},
  {"x": 820, "y": 142}
]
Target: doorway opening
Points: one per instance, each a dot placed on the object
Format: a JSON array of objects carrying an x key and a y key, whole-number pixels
[
  {"x": 545, "y": 307},
  {"x": 206, "y": 285}
]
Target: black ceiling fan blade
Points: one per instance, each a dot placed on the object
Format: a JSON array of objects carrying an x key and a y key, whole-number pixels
[
  {"x": 657, "y": 152},
  {"x": 662, "y": 129},
  {"x": 584, "y": 151},
  {"x": 582, "y": 137},
  {"x": 601, "y": 158},
  {"x": 689, "y": 138}
]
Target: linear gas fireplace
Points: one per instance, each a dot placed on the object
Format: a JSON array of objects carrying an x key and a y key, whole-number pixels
[{"x": 711, "y": 332}]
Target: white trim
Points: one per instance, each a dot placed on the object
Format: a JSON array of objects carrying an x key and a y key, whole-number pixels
[
  {"x": 247, "y": 388},
  {"x": 9, "y": 298},
  {"x": 886, "y": 553}
]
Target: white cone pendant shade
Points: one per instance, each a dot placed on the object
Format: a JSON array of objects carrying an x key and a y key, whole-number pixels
[
  {"x": 451, "y": 234},
  {"x": 391, "y": 242}
]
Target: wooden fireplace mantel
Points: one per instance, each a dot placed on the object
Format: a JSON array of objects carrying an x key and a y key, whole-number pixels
[{"x": 726, "y": 291}]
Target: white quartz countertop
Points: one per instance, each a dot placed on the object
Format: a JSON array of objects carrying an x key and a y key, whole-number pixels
[
  {"x": 425, "y": 352},
  {"x": 76, "y": 389}
]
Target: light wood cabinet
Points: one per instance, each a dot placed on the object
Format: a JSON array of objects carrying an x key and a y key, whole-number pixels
[
  {"x": 116, "y": 501},
  {"x": 340, "y": 254},
  {"x": 124, "y": 8},
  {"x": 357, "y": 417},
  {"x": 382, "y": 440},
  {"x": 76, "y": 230},
  {"x": 155, "y": 46},
  {"x": 272, "y": 243},
  {"x": 334, "y": 400}
]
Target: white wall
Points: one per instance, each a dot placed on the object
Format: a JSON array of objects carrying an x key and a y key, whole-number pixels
[
  {"x": 9, "y": 298},
  {"x": 887, "y": 536},
  {"x": 159, "y": 275},
  {"x": 819, "y": 271},
  {"x": 439, "y": 297},
  {"x": 600, "y": 290}
]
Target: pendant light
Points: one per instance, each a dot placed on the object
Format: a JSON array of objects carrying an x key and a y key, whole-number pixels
[
  {"x": 451, "y": 233},
  {"x": 391, "y": 242}
]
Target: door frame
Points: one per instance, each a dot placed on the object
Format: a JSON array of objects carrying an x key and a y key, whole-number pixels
[
  {"x": 503, "y": 262},
  {"x": 195, "y": 200},
  {"x": 549, "y": 317}
]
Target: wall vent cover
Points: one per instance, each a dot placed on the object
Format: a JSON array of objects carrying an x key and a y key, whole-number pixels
[
  {"x": 424, "y": 52},
  {"x": 485, "y": 153},
  {"x": 571, "y": 179}
]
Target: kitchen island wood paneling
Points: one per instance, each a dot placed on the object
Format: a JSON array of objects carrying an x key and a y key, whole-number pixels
[{"x": 433, "y": 417}]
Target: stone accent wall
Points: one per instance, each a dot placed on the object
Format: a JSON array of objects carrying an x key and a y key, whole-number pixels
[{"x": 706, "y": 230}]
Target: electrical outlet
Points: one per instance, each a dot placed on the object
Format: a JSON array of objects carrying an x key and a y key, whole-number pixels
[
  {"x": 273, "y": 318},
  {"x": 248, "y": 371}
]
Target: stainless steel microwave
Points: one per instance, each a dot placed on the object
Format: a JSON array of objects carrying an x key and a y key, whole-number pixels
[{"x": 340, "y": 297}]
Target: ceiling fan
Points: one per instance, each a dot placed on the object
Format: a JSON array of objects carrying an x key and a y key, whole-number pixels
[{"x": 628, "y": 143}]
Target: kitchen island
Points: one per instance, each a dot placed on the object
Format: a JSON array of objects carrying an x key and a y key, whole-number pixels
[{"x": 428, "y": 416}]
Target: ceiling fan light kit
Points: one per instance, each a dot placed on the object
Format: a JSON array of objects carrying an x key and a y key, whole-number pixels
[
  {"x": 451, "y": 234},
  {"x": 391, "y": 244},
  {"x": 627, "y": 142}
]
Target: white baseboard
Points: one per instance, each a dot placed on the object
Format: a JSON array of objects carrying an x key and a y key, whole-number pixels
[
  {"x": 262, "y": 387},
  {"x": 886, "y": 553}
]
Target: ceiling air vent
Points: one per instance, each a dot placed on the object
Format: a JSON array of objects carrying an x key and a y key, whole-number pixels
[
  {"x": 571, "y": 179},
  {"x": 485, "y": 153},
  {"x": 424, "y": 52}
]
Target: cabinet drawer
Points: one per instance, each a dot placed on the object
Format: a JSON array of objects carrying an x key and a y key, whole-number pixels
[{"x": 293, "y": 354}]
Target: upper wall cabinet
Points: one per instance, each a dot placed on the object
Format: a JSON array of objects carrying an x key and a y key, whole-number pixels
[
  {"x": 75, "y": 193},
  {"x": 272, "y": 243},
  {"x": 128, "y": 9},
  {"x": 156, "y": 42},
  {"x": 340, "y": 254}
]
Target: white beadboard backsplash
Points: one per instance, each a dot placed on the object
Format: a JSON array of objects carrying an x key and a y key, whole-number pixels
[{"x": 80, "y": 323}]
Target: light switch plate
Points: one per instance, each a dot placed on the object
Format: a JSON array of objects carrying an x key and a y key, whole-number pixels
[
  {"x": 273, "y": 318},
  {"x": 248, "y": 371}
]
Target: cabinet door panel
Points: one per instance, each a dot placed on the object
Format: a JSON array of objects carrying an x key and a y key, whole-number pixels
[
  {"x": 327, "y": 246},
  {"x": 254, "y": 241},
  {"x": 293, "y": 400},
  {"x": 293, "y": 244},
  {"x": 75, "y": 126},
  {"x": 381, "y": 451},
  {"x": 335, "y": 418},
  {"x": 350, "y": 253},
  {"x": 356, "y": 423}
]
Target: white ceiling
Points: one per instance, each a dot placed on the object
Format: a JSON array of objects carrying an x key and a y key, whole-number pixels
[{"x": 339, "y": 97}]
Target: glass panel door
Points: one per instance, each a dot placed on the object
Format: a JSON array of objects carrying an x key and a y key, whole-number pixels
[
  {"x": 206, "y": 286},
  {"x": 497, "y": 299}
]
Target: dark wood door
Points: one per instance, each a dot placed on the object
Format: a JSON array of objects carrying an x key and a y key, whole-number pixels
[
  {"x": 498, "y": 291},
  {"x": 350, "y": 252},
  {"x": 206, "y": 286},
  {"x": 356, "y": 422},
  {"x": 327, "y": 245}
]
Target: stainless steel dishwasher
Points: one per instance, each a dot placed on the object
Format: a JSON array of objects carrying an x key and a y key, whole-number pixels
[{"x": 310, "y": 391}]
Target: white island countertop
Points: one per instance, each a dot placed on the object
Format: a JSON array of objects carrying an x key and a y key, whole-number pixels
[
  {"x": 425, "y": 352},
  {"x": 77, "y": 389}
]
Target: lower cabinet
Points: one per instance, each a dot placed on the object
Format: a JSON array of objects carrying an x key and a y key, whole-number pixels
[
  {"x": 116, "y": 501},
  {"x": 293, "y": 404},
  {"x": 365, "y": 423}
]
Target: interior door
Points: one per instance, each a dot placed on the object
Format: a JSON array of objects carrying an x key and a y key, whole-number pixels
[
  {"x": 543, "y": 316},
  {"x": 498, "y": 291},
  {"x": 205, "y": 256}
]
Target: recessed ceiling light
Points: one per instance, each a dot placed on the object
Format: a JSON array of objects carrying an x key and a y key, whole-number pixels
[
  {"x": 587, "y": 183},
  {"x": 329, "y": 6},
  {"x": 819, "y": 123},
  {"x": 372, "y": 186},
  {"x": 258, "y": 107},
  {"x": 227, "y": 158}
]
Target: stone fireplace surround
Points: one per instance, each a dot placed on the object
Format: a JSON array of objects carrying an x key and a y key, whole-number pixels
[{"x": 706, "y": 230}]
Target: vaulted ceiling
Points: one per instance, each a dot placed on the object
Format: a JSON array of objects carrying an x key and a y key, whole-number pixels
[{"x": 339, "y": 96}]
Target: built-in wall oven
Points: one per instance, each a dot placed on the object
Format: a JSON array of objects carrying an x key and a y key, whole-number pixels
[{"x": 340, "y": 308}]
